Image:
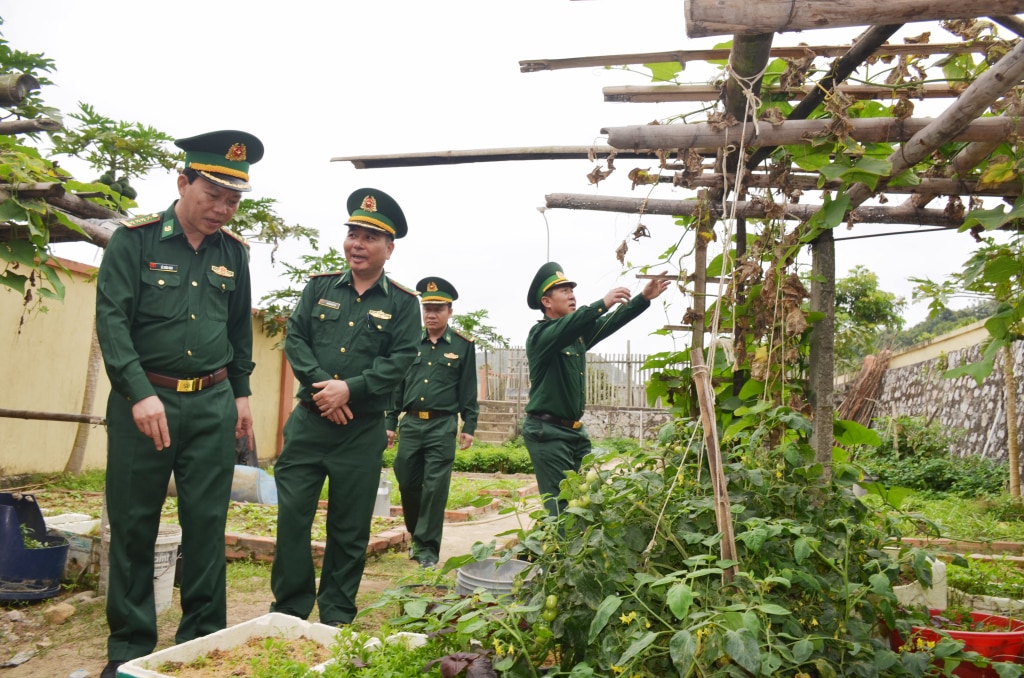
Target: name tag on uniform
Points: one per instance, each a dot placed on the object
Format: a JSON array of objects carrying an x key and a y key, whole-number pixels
[
  {"x": 169, "y": 268},
  {"x": 451, "y": 356},
  {"x": 329, "y": 304},
  {"x": 223, "y": 271},
  {"x": 381, "y": 315}
]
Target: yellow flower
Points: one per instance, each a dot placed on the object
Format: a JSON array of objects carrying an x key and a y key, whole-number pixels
[
  {"x": 778, "y": 474},
  {"x": 617, "y": 669},
  {"x": 497, "y": 647},
  {"x": 627, "y": 618},
  {"x": 814, "y": 622}
]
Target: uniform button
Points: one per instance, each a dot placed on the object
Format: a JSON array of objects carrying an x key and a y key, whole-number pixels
[
  {"x": 379, "y": 327},
  {"x": 321, "y": 316},
  {"x": 422, "y": 398},
  {"x": 189, "y": 352},
  {"x": 160, "y": 282},
  {"x": 426, "y": 381},
  {"x": 429, "y": 364},
  {"x": 433, "y": 348},
  {"x": 419, "y": 353},
  {"x": 350, "y": 323},
  {"x": 222, "y": 286},
  {"x": 359, "y": 300},
  {"x": 336, "y": 376},
  {"x": 195, "y": 284},
  {"x": 193, "y": 316},
  {"x": 342, "y": 349}
]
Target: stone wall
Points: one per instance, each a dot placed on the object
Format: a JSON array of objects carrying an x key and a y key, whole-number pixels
[
  {"x": 919, "y": 390},
  {"x": 639, "y": 423}
]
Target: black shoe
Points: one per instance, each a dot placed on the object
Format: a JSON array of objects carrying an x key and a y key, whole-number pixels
[
  {"x": 110, "y": 670},
  {"x": 335, "y": 624},
  {"x": 428, "y": 564}
]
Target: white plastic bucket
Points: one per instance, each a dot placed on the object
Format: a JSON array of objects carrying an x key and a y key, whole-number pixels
[
  {"x": 165, "y": 560},
  {"x": 253, "y": 484},
  {"x": 382, "y": 506}
]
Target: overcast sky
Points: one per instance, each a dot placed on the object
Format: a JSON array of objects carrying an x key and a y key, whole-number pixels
[{"x": 321, "y": 80}]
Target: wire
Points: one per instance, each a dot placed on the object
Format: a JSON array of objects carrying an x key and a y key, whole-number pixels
[{"x": 882, "y": 235}]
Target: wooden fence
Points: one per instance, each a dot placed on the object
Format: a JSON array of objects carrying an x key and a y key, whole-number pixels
[{"x": 614, "y": 380}]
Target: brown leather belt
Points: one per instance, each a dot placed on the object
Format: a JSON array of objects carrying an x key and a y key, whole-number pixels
[
  {"x": 557, "y": 421},
  {"x": 188, "y": 385},
  {"x": 428, "y": 414}
]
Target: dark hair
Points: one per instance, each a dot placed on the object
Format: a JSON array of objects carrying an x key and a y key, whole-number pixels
[{"x": 190, "y": 174}]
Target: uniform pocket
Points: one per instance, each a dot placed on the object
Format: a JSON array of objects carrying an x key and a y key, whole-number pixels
[
  {"x": 217, "y": 302},
  {"x": 159, "y": 297}
]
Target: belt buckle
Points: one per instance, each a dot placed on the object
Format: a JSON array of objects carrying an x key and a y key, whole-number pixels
[
  {"x": 576, "y": 425},
  {"x": 190, "y": 385},
  {"x": 423, "y": 415}
]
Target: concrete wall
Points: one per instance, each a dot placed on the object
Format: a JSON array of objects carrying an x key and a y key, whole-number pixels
[
  {"x": 624, "y": 422},
  {"x": 43, "y": 363},
  {"x": 913, "y": 385}
]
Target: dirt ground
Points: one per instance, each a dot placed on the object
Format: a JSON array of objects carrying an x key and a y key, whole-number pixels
[{"x": 80, "y": 641}]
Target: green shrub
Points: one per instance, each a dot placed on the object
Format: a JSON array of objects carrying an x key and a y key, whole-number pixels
[
  {"x": 916, "y": 455},
  {"x": 1000, "y": 578}
]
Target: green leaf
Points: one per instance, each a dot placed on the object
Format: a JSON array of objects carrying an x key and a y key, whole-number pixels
[
  {"x": 665, "y": 71},
  {"x": 637, "y": 647},
  {"x": 772, "y": 608},
  {"x": 851, "y": 433},
  {"x": 682, "y": 647},
  {"x": 998, "y": 173},
  {"x": 742, "y": 648},
  {"x": 801, "y": 549},
  {"x": 993, "y": 218},
  {"x": 879, "y": 583},
  {"x": 680, "y": 598},
  {"x": 802, "y": 650},
  {"x": 604, "y": 612}
]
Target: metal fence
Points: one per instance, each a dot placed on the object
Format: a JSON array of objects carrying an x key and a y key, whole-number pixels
[{"x": 614, "y": 380}]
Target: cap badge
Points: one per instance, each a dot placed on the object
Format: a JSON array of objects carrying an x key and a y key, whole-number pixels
[
  {"x": 431, "y": 287},
  {"x": 559, "y": 274},
  {"x": 369, "y": 204},
  {"x": 236, "y": 153}
]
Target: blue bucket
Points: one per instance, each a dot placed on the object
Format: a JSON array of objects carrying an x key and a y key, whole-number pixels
[{"x": 28, "y": 573}]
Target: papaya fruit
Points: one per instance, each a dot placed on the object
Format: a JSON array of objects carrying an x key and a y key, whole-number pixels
[
  {"x": 116, "y": 187},
  {"x": 129, "y": 192}
]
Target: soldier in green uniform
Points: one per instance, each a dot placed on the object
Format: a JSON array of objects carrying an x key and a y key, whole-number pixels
[
  {"x": 556, "y": 350},
  {"x": 440, "y": 387},
  {"x": 350, "y": 341},
  {"x": 174, "y": 320}
]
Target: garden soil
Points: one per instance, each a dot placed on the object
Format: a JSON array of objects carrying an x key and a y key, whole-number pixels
[{"x": 80, "y": 641}]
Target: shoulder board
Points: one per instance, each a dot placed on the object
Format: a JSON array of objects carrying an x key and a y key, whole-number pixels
[
  {"x": 231, "y": 234},
  {"x": 399, "y": 286},
  {"x": 325, "y": 274},
  {"x": 464, "y": 336},
  {"x": 143, "y": 220}
]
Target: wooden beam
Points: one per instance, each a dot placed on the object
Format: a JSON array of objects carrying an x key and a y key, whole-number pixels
[
  {"x": 684, "y": 56},
  {"x": 650, "y": 94},
  {"x": 705, "y": 135},
  {"x": 486, "y": 155},
  {"x": 741, "y": 17},
  {"x": 867, "y": 214}
]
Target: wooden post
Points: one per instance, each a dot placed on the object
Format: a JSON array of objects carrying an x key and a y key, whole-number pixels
[
  {"x": 822, "y": 363},
  {"x": 723, "y": 508}
]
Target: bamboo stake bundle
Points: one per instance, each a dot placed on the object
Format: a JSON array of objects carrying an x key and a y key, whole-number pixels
[
  {"x": 723, "y": 509},
  {"x": 859, "y": 403}
]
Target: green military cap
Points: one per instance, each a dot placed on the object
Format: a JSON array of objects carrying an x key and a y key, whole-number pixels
[
  {"x": 375, "y": 209},
  {"x": 436, "y": 290},
  {"x": 222, "y": 157},
  {"x": 549, "y": 275}
]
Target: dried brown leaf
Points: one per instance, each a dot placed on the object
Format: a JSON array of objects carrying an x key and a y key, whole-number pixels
[
  {"x": 620, "y": 252},
  {"x": 598, "y": 175}
]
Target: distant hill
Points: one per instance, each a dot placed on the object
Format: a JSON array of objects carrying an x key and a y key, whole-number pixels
[{"x": 945, "y": 321}]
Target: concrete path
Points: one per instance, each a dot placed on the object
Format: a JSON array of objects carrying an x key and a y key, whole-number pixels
[{"x": 459, "y": 537}]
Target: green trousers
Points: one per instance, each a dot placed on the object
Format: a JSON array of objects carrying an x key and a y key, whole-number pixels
[
  {"x": 554, "y": 450},
  {"x": 350, "y": 457},
  {"x": 202, "y": 458},
  {"x": 423, "y": 467}
]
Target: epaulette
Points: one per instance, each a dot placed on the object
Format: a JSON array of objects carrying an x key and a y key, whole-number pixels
[
  {"x": 228, "y": 232},
  {"x": 144, "y": 220},
  {"x": 326, "y": 273},
  {"x": 404, "y": 288},
  {"x": 464, "y": 336}
]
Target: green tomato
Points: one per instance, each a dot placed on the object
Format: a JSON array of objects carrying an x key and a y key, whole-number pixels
[
  {"x": 549, "y": 615},
  {"x": 584, "y": 501},
  {"x": 592, "y": 476},
  {"x": 551, "y": 602},
  {"x": 542, "y": 630}
]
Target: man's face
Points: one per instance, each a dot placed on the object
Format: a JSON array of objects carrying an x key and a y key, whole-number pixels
[
  {"x": 204, "y": 207},
  {"x": 366, "y": 250},
  {"x": 436, "y": 316},
  {"x": 559, "y": 301}
]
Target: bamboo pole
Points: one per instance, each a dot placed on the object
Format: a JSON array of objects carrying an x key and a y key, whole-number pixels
[
  {"x": 822, "y": 358},
  {"x": 30, "y": 126},
  {"x": 654, "y": 94},
  {"x": 722, "y": 17},
  {"x": 486, "y": 155},
  {"x": 706, "y": 135},
  {"x": 52, "y": 416},
  {"x": 1012, "y": 442},
  {"x": 684, "y": 56},
  {"x": 723, "y": 509},
  {"x": 866, "y": 214}
]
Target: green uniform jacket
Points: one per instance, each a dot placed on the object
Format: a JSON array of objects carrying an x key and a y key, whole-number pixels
[
  {"x": 368, "y": 340},
  {"x": 442, "y": 378},
  {"x": 557, "y": 353},
  {"x": 164, "y": 307}
]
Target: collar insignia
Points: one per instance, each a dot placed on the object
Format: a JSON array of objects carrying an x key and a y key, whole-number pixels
[
  {"x": 222, "y": 271},
  {"x": 236, "y": 153},
  {"x": 369, "y": 204},
  {"x": 381, "y": 315}
]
